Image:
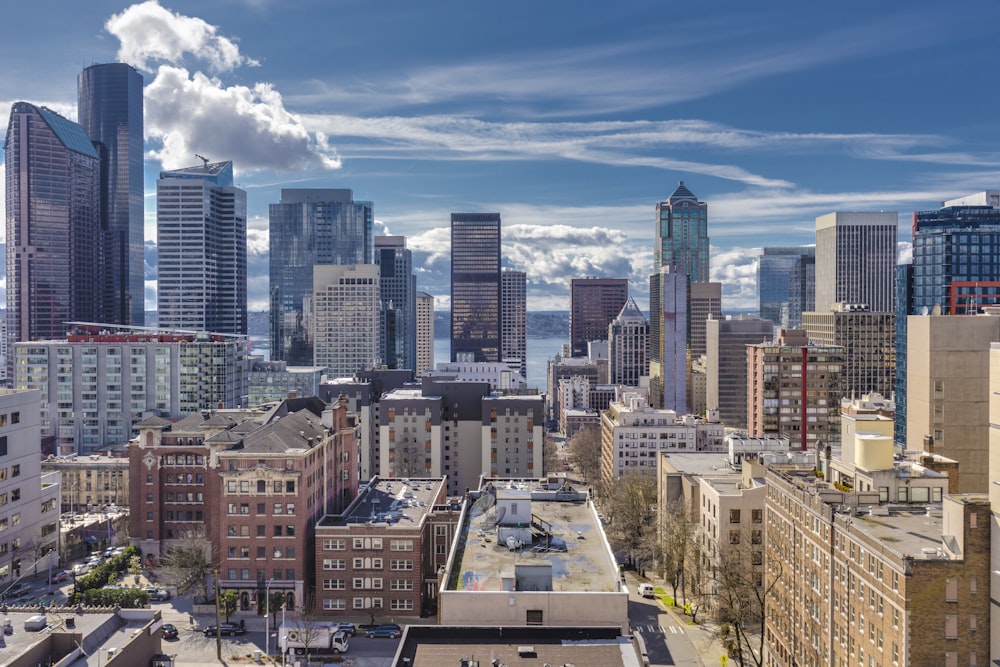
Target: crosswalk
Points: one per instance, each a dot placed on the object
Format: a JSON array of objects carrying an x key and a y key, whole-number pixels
[{"x": 653, "y": 629}]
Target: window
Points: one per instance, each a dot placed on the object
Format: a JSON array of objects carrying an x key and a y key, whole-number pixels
[
  {"x": 757, "y": 516},
  {"x": 290, "y": 508},
  {"x": 277, "y": 508},
  {"x": 334, "y": 584},
  {"x": 277, "y": 531},
  {"x": 261, "y": 552},
  {"x": 951, "y": 626},
  {"x": 533, "y": 617},
  {"x": 335, "y": 544},
  {"x": 290, "y": 531},
  {"x": 401, "y": 545},
  {"x": 951, "y": 590},
  {"x": 334, "y": 564},
  {"x": 400, "y": 565},
  {"x": 401, "y": 605},
  {"x": 401, "y": 585},
  {"x": 734, "y": 516},
  {"x": 734, "y": 537},
  {"x": 334, "y": 603},
  {"x": 261, "y": 530}
]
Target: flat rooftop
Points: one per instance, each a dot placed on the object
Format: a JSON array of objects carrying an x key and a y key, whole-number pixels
[
  {"x": 561, "y": 531},
  {"x": 393, "y": 502},
  {"x": 702, "y": 464},
  {"x": 914, "y": 532}
]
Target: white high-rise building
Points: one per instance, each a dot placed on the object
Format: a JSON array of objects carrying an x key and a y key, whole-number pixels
[
  {"x": 856, "y": 260},
  {"x": 425, "y": 332},
  {"x": 346, "y": 317},
  {"x": 628, "y": 345},
  {"x": 201, "y": 240},
  {"x": 513, "y": 320}
]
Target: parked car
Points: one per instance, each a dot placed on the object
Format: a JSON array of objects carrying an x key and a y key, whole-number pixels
[
  {"x": 390, "y": 630},
  {"x": 18, "y": 590},
  {"x": 169, "y": 631},
  {"x": 347, "y": 628},
  {"x": 81, "y": 569},
  {"x": 158, "y": 594},
  {"x": 231, "y": 629},
  {"x": 59, "y": 577}
]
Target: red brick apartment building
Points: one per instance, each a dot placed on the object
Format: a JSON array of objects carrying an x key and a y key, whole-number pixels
[
  {"x": 381, "y": 556},
  {"x": 254, "y": 482}
]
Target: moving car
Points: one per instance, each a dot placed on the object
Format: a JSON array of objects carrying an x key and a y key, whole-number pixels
[
  {"x": 59, "y": 577},
  {"x": 158, "y": 594},
  {"x": 646, "y": 590},
  {"x": 390, "y": 630},
  {"x": 347, "y": 628},
  {"x": 231, "y": 629},
  {"x": 81, "y": 569},
  {"x": 169, "y": 631}
]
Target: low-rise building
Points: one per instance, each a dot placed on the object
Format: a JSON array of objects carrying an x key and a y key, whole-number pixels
[
  {"x": 90, "y": 482},
  {"x": 275, "y": 381}
]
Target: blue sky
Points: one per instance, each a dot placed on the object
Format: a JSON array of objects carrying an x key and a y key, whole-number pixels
[{"x": 571, "y": 119}]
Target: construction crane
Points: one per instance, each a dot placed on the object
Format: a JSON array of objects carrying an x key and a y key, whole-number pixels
[{"x": 203, "y": 159}]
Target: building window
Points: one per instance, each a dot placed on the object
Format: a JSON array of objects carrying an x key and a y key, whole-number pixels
[
  {"x": 533, "y": 617},
  {"x": 951, "y": 626},
  {"x": 334, "y": 603},
  {"x": 401, "y": 605},
  {"x": 734, "y": 516},
  {"x": 336, "y": 544}
]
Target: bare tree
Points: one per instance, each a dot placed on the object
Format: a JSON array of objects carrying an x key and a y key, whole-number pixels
[
  {"x": 632, "y": 515},
  {"x": 585, "y": 452},
  {"x": 550, "y": 455},
  {"x": 307, "y": 631},
  {"x": 678, "y": 546},
  {"x": 187, "y": 564}
]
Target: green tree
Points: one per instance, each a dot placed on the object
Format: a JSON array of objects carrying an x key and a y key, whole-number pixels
[
  {"x": 227, "y": 603},
  {"x": 632, "y": 516},
  {"x": 275, "y": 601}
]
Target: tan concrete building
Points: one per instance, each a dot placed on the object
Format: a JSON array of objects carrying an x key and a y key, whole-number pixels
[
  {"x": 425, "y": 332},
  {"x": 948, "y": 392},
  {"x": 869, "y": 342},
  {"x": 91, "y": 481}
]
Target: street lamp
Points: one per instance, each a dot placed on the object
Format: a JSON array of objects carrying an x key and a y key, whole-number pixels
[{"x": 267, "y": 618}]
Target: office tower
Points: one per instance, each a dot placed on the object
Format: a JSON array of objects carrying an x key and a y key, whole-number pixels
[
  {"x": 726, "y": 364},
  {"x": 53, "y": 222},
  {"x": 346, "y": 317},
  {"x": 856, "y": 260},
  {"x": 786, "y": 285},
  {"x": 706, "y": 302},
  {"x": 201, "y": 240},
  {"x": 948, "y": 392},
  {"x": 682, "y": 234},
  {"x": 513, "y": 320},
  {"x": 109, "y": 103},
  {"x": 668, "y": 331},
  {"x": 425, "y": 332},
  {"x": 475, "y": 287},
  {"x": 904, "y": 308},
  {"x": 398, "y": 288},
  {"x": 793, "y": 389},
  {"x": 99, "y": 381},
  {"x": 310, "y": 227},
  {"x": 628, "y": 346},
  {"x": 594, "y": 302},
  {"x": 869, "y": 342}
]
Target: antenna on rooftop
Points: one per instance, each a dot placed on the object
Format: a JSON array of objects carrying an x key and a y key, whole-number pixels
[{"x": 203, "y": 159}]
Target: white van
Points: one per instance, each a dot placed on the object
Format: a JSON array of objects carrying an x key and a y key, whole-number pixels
[{"x": 646, "y": 590}]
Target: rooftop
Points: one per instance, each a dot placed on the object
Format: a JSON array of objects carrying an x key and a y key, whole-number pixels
[
  {"x": 394, "y": 502},
  {"x": 557, "y": 531}
]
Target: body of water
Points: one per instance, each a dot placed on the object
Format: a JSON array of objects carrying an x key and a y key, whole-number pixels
[{"x": 539, "y": 351}]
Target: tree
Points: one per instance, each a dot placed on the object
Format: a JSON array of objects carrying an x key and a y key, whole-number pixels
[
  {"x": 227, "y": 603},
  {"x": 307, "y": 629},
  {"x": 585, "y": 452},
  {"x": 550, "y": 455},
  {"x": 187, "y": 564},
  {"x": 677, "y": 545},
  {"x": 632, "y": 513},
  {"x": 275, "y": 601},
  {"x": 135, "y": 566}
]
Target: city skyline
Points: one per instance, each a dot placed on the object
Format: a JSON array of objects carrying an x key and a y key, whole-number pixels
[{"x": 572, "y": 125}]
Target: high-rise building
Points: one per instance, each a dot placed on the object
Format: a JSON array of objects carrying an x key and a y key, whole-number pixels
[
  {"x": 668, "y": 331},
  {"x": 794, "y": 390},
  {"x": 726, "y": 364},
  {"x": 109, "y": 103},
  {"x": 628, "y": 346},
  {"x": 706, "y": 303},
  {"x": 398, "y": 290},
  {"x": 786, "y": 284},
  {"x": 856, "y": 260},
  {"x": 904, "y": 308},
  {"x": 514, "y": 320},
  {"x": 869, "y": 342},
  {"x": 594, "y": 303},
  {"x": 475, "y": 287},
  {"x": 309, "y": 227},
  {"x": 53, "y": 221},
  {"x": 346, "y": 317},
  {"x": 682, "y": 234},
  {"x": 201, "y": 240},
  {"x": 425, "y": 332}
]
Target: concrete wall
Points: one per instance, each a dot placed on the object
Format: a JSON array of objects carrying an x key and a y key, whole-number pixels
[{"x": 584, "y": 608}]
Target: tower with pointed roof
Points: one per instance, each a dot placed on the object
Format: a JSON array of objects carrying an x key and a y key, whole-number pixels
[
  {"x": 628, "y": 345},
  {"x": 682, "y": 234}
]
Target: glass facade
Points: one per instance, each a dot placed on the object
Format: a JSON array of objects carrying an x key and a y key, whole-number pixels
[
  {"x": 904, "y": 307},
  {"x": 398, "y": 287},
  {"x": 594, "y": 304},
  {"x": 786, "y": 284},
  {"x": 109, "y": 101},
  {"x": 309, "y": 227},
  {"x": 682, "y": 234},
  {"x": 475, "y": 286}
]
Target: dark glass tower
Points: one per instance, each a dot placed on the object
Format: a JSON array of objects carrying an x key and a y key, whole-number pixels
[
  {"x": 310, "y": 227},
  {"x": 682, "y": 235},
  {"x": 53, "y": 216},
  {"x": 109, "y": 100},
  {"x": 594, "y": 304},
  {"x": 398, "y": 295},
  {"x": 786, "y": 285},
  {"x": 475, "y": 286}
]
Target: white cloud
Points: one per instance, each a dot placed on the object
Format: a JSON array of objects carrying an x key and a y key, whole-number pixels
[
  {"x": 151, "y": 34},
  {"x": 736, "y": 269},
  {"x": 192, "y": 113}
]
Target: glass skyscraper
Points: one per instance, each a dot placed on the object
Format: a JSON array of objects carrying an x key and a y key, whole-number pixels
[
  {"x": 682, "y": 234},
  {"x": 310, "y": 227},
  {"x": 398, "y": 294},
  {"x": 475, "y": 287},
  {"x": 786, "y": 285},
  {"x": 201, "y": 239},
  {"x": 109, "y": 100},
  {"x": 593, "y": 304},
  {"x": 53, "y": 216},
  {"x": 514, "y": 320}
]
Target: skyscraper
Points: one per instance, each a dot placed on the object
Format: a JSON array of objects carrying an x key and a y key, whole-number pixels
[
  {"x": 628, "y": 346},
  {"x": 201, "y": 238},
  {"x": 856, "y": 260},
  {"x": 53, "y": 220},
  {"x": 594, "y": 303},
  {"x": 786, "y": 285},
  {"x": 346, "y": 316},
  {"x": 668, "y": 331},
  {"x": 682, "y": 234},
  {"x": 705, "y": 303},
  {"x": 398, "y": 289},
  {"x": 475, "y": 287},
  {"x": 109, "y": 103},
  {"x": 726, "y": 364},
  {"x": 425, "y": 332},
  {"x": 310, "y": 227},
  {"x": 513, "y": 320}
]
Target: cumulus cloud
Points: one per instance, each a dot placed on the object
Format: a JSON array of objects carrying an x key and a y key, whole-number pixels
[
  {"x": 188, "y": 113},
  {"x": 736, "y": 269},
  {"x": 150, "y": 33}
]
